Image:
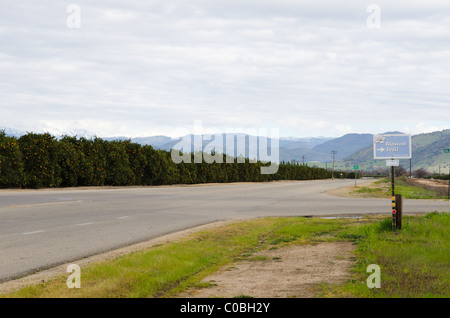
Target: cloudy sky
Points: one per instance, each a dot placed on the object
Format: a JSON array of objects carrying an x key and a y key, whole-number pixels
[{"x": 143, "y": 68}]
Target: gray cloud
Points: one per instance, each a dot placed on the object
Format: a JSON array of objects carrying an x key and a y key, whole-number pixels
[{"x": 151, "y": 67}]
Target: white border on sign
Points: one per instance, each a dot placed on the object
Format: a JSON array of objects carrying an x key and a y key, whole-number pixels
[{"x": 390, "y": 157}]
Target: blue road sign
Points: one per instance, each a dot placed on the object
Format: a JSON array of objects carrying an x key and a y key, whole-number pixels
[{"x": 392, "y": 146}]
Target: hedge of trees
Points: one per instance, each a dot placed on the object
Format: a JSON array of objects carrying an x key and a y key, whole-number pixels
[
  {"x": 439, "y": 176},
  {"x": 41, "y": 160}
]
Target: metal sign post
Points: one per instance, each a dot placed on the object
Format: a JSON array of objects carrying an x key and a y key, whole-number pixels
[
  {"x": 355, "y": 168},
  {"x": 392, "y": 147}
]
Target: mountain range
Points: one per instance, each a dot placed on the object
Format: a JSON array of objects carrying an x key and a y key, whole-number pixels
[
  {"x": 427, "y": 154},
  {"x": 350, "y": 149}
]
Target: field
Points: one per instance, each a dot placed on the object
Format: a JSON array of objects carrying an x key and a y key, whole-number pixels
[{"x": 408, "y": 188}]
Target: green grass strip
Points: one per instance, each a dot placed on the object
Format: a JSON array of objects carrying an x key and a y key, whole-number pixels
[
  {"x": 164, "y": 270},
  {"x": 383, "y": 190},
  {"x": 414, "y": 261}
]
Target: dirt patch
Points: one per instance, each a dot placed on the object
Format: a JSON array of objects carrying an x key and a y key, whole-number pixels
[
  {"x": 439, "y": 186},
  {"x": 292, "y": 271},
  {"x": 349, "y": 191}
]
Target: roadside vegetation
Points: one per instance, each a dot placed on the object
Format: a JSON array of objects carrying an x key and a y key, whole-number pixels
[
  {"x": 409, "y": 190},
  {"x": 414, "y": 261},
  {"x": 43, "y": 161}
]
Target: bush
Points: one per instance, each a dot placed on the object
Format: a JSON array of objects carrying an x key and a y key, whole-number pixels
[
  {"x": 11, "y": 164},
  {"x": 40, "y": 160}
]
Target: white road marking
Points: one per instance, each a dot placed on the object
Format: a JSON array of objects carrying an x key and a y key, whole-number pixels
[
  {"x": 123, "y": 217},
  {"x": 82, "y": 224},
  {"x": 34, "y": 232},
  {"x": 38, "y": 204}
]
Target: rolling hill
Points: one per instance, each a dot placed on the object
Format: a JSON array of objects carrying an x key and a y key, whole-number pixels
[
  {"x": 427, "y": 153},
  {"x": 352, "y": 149}
]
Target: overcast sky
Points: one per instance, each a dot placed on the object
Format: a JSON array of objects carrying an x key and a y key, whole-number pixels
[{"x": 142, "y": 68}]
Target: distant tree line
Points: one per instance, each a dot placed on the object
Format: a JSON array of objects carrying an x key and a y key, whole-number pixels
[
  {"x": 41, "y": 160},
  {"x": 399, "y": 171},
  {"x": 438, "y": 176}
]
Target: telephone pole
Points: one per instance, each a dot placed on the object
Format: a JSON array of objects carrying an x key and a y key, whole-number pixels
[
  {"x": 410, "y": 168},
  {"x": 334, "y": 152},
  {"x": 346, "y": 169}
]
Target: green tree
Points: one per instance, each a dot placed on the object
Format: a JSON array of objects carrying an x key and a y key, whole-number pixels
[
  {"x": 118, "y": 169},
  {"x": 39, "y": 160},
  {"x": 137, "y": 160},
  {"x": 11, "y": 165},
  {"x": 40, "y": 157},
  {"x": 71, "y": 160},
  {"x": 94, "y": 162}
]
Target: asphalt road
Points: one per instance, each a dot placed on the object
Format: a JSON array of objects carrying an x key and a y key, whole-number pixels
[{"x": 43, "y": 228}]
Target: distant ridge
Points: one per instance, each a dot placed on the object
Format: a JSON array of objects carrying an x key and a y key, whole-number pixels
[
  {"x": 427, "y": 153},
  {"x": 351, "y": 148}
]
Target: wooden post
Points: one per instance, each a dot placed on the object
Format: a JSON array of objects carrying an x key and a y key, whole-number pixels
[{"x": 399, "y": 206}]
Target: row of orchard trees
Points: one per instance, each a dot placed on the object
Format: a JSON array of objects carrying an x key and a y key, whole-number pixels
[{"x": 41, "y": 160}]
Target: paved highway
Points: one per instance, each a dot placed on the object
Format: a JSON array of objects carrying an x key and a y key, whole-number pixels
[{"x": 43, "y": 228}]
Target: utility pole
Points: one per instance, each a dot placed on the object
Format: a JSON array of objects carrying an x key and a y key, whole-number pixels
[
  {"x": 410, "y": 168},
  {"x": 303, "y": 157},
  {"x": 448, "y": 189},
  {"x": 346, "y": 175},
  {"x": 334, "y": 152}
]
